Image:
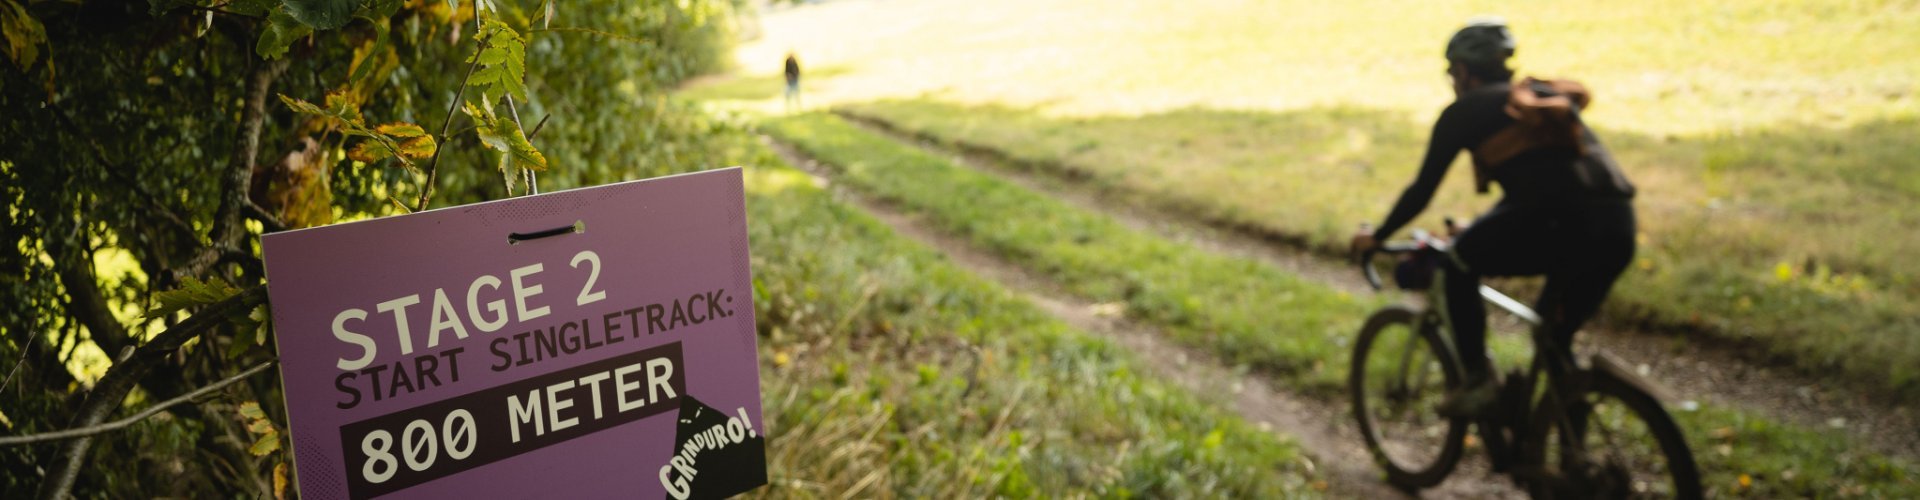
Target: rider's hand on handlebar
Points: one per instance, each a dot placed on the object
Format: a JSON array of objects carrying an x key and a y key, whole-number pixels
[{"x": 1362, "y": 242}]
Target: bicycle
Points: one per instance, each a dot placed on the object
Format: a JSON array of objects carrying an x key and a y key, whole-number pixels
[{"x": 1556, "y": 428}]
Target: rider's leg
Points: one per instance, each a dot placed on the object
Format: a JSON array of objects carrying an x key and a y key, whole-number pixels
[
  {"x": 1507, "y": 241},
  {"x": 1468, "y": 317},
  {"x": 1599, "y": 245}
]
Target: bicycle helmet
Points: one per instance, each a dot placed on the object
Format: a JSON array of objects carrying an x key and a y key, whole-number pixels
[{"x": 1484, "y": 42}]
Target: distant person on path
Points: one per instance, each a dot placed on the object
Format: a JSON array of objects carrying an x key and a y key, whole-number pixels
[
  {"x": 1565, "y": 210},
  {"x": 793, "y": 82}
]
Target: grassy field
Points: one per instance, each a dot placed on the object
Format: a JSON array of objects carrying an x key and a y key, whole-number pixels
[
  {"x": 1771, "y": 141},
  {"x": 1247, "y": 313},
  {"x": 1261, "y": 317},
  {"x": 888, "y": 372}
]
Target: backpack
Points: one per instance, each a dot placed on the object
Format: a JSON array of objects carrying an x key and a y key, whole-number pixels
[{"x": 1546, "y": 113}]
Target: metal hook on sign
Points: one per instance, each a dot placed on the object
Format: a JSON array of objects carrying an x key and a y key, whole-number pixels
[{"x": 578, "y": 226}]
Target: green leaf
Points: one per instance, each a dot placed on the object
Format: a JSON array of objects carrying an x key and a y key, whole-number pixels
[
  {"x": 322, "y": 14},
  {"x": 281, "y": 31},
  {"x": 509, "y": 174},
  {"x": 267, "y": 444},
  {"x": 485, "y": 77},
  {"x": 260, "y": 426},
  {"x": 506, "y": 137},
  {"x": 400, "y": 130},
  {"x": 251, "y": 410},
  {"x": 252, "y": 7},
  {"x": 262, "y": 317},
  {"x": 364, "y": 66},
  {"x": 192, "y": 292},
  {"x": 237, "y": 347},
  {"x": 493, "y": 55},
  {"x": 503, "y": 60},
  {"x": 383, "y": 9},
  {"x": 301, "y": 106}
]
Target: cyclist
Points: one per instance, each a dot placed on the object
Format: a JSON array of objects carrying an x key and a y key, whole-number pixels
[{"x": 1565, "y": 210}]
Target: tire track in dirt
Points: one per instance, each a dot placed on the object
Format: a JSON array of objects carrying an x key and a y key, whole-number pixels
[
  {"x": 1319, "y": 427},
  {"x": 1723, "y": 375}
]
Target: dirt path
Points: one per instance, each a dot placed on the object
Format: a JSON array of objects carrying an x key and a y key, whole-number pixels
[
  {"x": 1694, "y": 370},
  {"x": 1320, "y": 427}
]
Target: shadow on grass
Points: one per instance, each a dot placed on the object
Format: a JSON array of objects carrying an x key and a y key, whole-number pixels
[{"x": 1795, "y": 239}]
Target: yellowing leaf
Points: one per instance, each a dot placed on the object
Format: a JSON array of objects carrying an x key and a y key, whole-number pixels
[
  {"x": 418, "y": 147},
  {"x": 251, "y": 410},
  {"x": 369, "y": 151},
  {"x": 524, "y": 155},
  {"x": 280, "y": 481},
  {"x": 341, "y": 104},
  {"x": 260, "y": 426},
  {"x": 23, "y": 33},
  {"x": 266, "y": 444},
  {"x": 341, "y": 109},
  {"x": 301, "y": 106},
  {"x": 401, "y": 129}
]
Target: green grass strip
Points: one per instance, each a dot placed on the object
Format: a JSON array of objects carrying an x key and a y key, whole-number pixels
[
  {"x": 1260, "y": 316},
  {"x": 889, "y": 372},
  {"x": 1779, "y": 238},
  {"x": 1246, "y": 312}
]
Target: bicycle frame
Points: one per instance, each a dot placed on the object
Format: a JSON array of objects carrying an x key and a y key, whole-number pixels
[
  {"x": 1537, "y": 430},
  {"x": 1561, "y": 373}
]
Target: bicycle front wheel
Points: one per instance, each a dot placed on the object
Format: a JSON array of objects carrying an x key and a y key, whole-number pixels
[
  {"x": 1614, "y": 441},
  {"x": 1400, "y": 374}
]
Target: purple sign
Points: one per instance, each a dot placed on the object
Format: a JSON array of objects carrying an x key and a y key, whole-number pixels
[{"x": 592, "y": 343}]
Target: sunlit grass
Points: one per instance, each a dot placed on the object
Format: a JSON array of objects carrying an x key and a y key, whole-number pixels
[
  {"x": 1763, "y": 135},
  {"x": 1259, "y": 316},
  {"x": 1657, "y": 67}
]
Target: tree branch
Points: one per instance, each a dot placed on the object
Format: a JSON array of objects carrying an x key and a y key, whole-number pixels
[
  {"x": 538, "y": 126},
  {"x": 227, "y": 232},
  {"x": 150, "y": 411},
  {"x": 119, "y": 380},
  {"x": 433, "y": 166},
  {"x": 268, "y": 222},
  {"x": 24, "y": 350},
  {"x": 84, "y": 300}
]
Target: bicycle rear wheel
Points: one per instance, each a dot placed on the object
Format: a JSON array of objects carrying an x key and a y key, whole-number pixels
[
  {"x": 1399, "y": 375},
  {"x": 1628, "y": 446}
]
